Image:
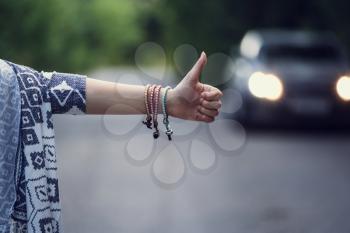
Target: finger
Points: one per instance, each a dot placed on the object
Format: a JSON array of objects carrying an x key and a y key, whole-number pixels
[
  {"x": 200, "y": 87},
  {"x": 196, "y": 70},
  {"x": 208, "y": 112},
  {"x": 204, "y": 118},
  {"x": 208, "y": 88},
  {"x": 214, "y": 105},
  {"x": 212, "y": 95}
]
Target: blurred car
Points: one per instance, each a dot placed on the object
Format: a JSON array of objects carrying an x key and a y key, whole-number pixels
[{"x": 285, "y": 75}]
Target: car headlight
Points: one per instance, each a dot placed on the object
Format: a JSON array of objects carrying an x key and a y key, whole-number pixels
[
  {"x": 265, "y": 86},
  {"x": 343, "y": 88}
]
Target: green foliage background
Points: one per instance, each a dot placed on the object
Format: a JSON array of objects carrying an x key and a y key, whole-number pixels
[
  {"x": 76, "y": 35},
  {"x": 69, "y": 35}
]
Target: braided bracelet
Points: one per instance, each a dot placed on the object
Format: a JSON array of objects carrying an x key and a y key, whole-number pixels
[
  {"x": 153, "y": 98},
  {"x": 148, "y": 121},
  {"x": 168, "y": 131},
  {"x": 151, "y": 102},
  {"x": 155, "y": 110}
]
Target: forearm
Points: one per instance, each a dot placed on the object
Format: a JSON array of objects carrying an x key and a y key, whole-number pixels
[{"x": 104, "y": 97}]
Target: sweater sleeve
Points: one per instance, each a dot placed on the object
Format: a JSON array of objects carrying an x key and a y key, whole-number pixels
[{"x": 67, "y": 92}]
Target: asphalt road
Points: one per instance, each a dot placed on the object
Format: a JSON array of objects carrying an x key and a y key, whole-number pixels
[{"x": 270, "y": 181}]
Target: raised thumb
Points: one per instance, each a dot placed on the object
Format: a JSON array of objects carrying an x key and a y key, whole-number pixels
[{"x": 196, "y": 70}]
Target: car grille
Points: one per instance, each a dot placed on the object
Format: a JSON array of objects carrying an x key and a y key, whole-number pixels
[{"x": 309, "y": 90}]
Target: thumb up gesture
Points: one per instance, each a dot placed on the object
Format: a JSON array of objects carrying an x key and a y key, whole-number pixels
[{"x": 193, "y": 100}]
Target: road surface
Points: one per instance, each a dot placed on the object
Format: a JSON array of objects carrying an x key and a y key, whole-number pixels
[{"x": 272, "y": 182}]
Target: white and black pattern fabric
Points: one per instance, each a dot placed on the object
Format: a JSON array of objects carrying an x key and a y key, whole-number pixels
[
  {"x": 9, "y": 142},
  {"x": 67, "y": 92},
  {"x": 37, "y": 207}
]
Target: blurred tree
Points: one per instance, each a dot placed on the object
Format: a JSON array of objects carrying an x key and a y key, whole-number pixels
[
  {"x": 68, "y": 35},
  {"x": 76, "y": 35}
]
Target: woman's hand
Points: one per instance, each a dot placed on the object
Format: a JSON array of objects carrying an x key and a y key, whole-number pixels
[
  {"x": 189, "y": 100},
  {"x": 192, "y": 100}
]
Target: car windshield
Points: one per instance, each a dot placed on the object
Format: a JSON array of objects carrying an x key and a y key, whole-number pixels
[{"x": 316, "y": 53}]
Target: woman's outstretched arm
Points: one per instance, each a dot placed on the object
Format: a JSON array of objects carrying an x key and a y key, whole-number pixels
[
  {"x": 103, "y": 97},
  {"x": 190, "y": 99}
]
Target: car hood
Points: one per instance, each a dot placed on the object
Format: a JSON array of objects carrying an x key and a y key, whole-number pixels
[{"x": 307, "y": 72}]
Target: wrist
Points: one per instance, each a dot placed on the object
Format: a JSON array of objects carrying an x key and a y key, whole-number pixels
[{"x": 171, "y": 102}]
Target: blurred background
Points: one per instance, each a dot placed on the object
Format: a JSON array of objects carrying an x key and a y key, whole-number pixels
[
  {"x": 83, "y": 34},
  {"x": 276, "y": 61}
]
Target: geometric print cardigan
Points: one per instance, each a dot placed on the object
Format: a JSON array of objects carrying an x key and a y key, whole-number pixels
[{"x": 37, "y": 203}]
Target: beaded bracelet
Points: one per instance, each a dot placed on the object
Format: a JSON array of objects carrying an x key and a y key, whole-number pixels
[
  {"x": 148, "y": 121},
  {"x": 168, "y": 131}
]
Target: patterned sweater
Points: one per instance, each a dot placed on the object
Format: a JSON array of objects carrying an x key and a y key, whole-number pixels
[{"x": 37, "y": 208}]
